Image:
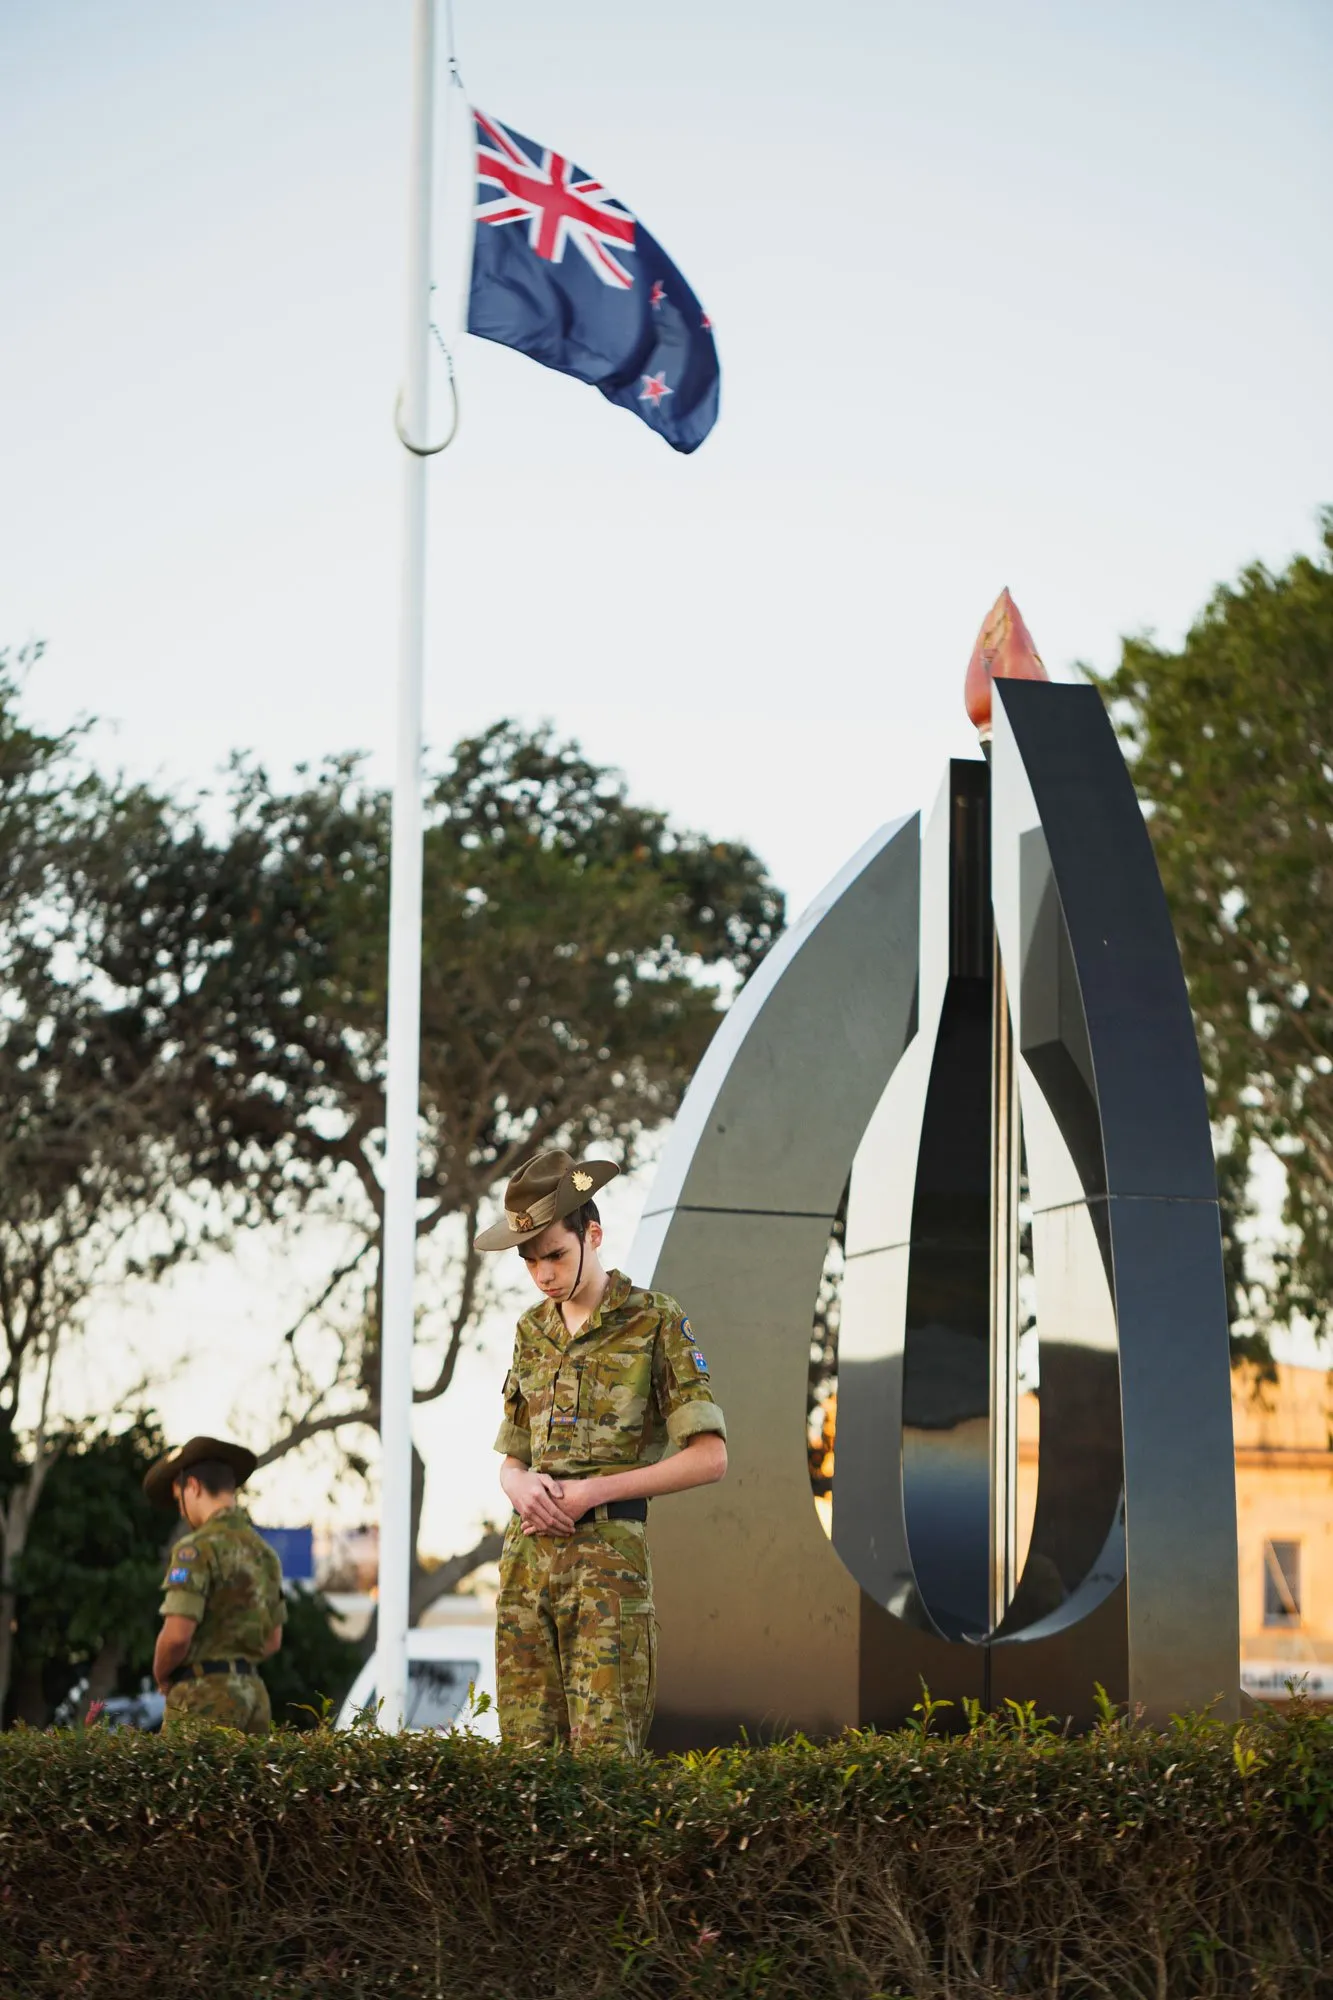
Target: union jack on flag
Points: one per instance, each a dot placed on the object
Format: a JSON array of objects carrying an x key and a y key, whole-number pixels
[
  {"x": 558, "y": 204},
  {"x": 564, "y": 272}
]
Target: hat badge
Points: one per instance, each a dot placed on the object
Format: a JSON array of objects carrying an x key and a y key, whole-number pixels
[{"x": 582, "y": 1181}]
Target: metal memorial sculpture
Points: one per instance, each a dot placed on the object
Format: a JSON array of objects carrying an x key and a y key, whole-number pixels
[{"x": 1001, "y": 988}]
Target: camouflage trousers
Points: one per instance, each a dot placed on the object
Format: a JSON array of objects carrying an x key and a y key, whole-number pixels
[
  {"x": 232, "y": 1701},
  {"x": 576, "y": 1638}
]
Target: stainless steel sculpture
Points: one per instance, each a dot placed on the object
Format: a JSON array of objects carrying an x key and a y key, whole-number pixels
[{"x": 900, "y": 1031}]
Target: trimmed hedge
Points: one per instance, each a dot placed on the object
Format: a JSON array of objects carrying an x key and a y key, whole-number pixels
[{"x": 1008, "y": 1861}]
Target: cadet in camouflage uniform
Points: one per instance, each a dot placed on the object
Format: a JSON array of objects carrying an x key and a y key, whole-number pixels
[
  {"x": 223, "y": 1608},
  {"x": 604, "y": 1377}
]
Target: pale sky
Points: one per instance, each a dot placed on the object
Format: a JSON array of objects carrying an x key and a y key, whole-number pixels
[{"x": 1033, "y": 294}]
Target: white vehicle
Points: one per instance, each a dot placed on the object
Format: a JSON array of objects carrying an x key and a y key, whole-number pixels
[{"x": 444, "y": 1662}]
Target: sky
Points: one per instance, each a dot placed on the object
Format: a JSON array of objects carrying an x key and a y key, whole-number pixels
[{"x": 1030, "y": 295}]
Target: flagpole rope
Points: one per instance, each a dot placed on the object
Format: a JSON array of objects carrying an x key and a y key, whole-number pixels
[
  {"x": 455, "y": 76},
  {"x": 431, "y": 450}
]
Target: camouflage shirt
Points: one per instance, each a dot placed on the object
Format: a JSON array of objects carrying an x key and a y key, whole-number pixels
[
  {"x": 226, "y": 1577},
  {"x": 612, "y": 1395}
]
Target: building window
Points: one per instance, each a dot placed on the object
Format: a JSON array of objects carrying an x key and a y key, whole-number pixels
[{"x": 1282, "y": 1583}]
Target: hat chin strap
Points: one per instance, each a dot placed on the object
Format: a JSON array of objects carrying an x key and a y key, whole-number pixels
[{"x": 578, "y": 1275}]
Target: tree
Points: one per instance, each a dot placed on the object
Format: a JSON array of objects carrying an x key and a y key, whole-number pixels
[
  {"x": 102, "y": 1162},
  {"x": 88, "y": 1580},
  {"x": 1231, "y": 742},
  {"x": 575, "y": 945},
  {"x": 96, "y": 1129}
]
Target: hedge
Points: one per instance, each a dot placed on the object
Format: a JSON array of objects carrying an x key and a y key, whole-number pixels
[{"x": 1010, "y": 1860}]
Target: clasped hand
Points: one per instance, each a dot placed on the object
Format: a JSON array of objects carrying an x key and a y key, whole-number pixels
[{"x": 547, "y": 1506}]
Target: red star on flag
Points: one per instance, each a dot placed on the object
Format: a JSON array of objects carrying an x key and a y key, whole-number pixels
[
  {"x": 653, "y": 390},
  {"x": 657, "y": 295},
  {"x": 705, "y": 321}
]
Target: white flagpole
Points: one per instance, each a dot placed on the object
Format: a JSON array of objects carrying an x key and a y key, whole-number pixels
[{"x": 404, "y": 1026}]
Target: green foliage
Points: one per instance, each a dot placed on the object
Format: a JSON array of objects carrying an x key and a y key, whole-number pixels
[
  {"x": 565, "y": 933},
  {"x": 90, "y": 1120},
  {"x": 314, "y": 1665},
  {"x": 1231, "y": 739},
  {"x": 574, "y": 947},
  {"x": 195, "y": 1007},
  {"x": 34, "y": 790},
  {"x": 91, "y": 1171},
  {"x": 88, "y": 1579},
  {"x": 1014, "y": 1859}
]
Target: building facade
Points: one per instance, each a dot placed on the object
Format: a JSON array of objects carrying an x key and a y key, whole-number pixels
[{"x": 1284, "y": 1508}]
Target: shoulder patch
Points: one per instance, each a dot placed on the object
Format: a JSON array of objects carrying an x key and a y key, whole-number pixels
[
  {"x": 178, "y": 1576},
  {"x": 185, "y": 1551},
  {"x": 687, "y": 1335}
]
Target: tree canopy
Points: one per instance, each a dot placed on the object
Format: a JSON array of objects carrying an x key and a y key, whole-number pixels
[
  {"x": 575, "y": 945},
  {"x": 193, "y": 1041},
  {"x": 88, "y": 1578},
  {"x": 99, "y": 1140},
  {"x": 1230, "y": 736},
  {"x": 96, "y": 1132}
]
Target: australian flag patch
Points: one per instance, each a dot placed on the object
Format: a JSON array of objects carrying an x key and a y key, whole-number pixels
[{"x": 178, "y": 1576}]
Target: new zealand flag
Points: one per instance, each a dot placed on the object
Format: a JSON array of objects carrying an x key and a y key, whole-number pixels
[{"x": 565, "y": 273}]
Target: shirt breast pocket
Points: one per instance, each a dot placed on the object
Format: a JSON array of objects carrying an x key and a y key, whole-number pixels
[{"x": 616, "y": 1388}]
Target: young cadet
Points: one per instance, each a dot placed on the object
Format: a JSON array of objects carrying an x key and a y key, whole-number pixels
[
  {"x": 604, "y": 1377},
  {"x": 223, "y": 1610}
]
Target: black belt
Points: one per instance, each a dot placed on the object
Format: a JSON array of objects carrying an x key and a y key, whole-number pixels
[
  {"x": 197, "y": 1668},
  {"x": 615, "y": 1510}
]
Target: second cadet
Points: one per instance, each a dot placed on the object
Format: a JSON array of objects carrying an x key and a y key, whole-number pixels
[
  {"x": 222, "y": 1607},
  {"x": 605, "y": 1377}
]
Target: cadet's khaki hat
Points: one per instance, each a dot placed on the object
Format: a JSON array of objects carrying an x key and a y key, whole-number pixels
[
  {"x": 543, "y": 1191},
  {"x": 160, "y": 1478}
]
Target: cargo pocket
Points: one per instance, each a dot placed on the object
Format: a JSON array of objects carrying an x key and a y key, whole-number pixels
[{"x": 638, "y": 1670}]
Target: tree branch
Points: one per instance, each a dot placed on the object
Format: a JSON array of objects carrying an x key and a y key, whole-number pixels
[
  {"x": 467, "y": 1299},
  {"x": 318, "y": 1304},
  {"x": 430, "y": 1585},
  {"x": 311, "y": 1427}
]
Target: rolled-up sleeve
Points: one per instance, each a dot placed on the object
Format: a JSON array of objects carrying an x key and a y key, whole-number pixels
[
  {"x": 682, "y": 1383},
  {"x": 515, "y": 1436},
  {"x": 185, "y": 1585}
]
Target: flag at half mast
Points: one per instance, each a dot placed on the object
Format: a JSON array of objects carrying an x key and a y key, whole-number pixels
[{"x": 564, "y": 272}]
